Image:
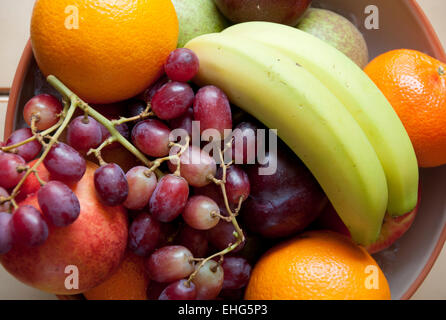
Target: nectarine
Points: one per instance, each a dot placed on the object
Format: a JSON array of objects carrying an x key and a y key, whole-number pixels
[{"x": 94, "y": 245}]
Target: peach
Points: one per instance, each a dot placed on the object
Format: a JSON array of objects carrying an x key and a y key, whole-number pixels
[{"x": 94, "y": 245}]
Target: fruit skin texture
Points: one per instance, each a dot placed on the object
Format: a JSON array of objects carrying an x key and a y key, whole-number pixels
[
  {"x": 338, "y": 32},
  {"x": 198, "y": 17},
  {"x": 309, "y": 118},
  {"x": 284, "y": 203},
  {"x": 317, "y": 265},
  {"x": 393, "y": 227},
  {"x": 129, "y": 282},
  {"x": 280, "y": 11},
  {"x": 415, "y": 85},
  {"x": 108, "y": 66},
  {"x": 361, "y": 98},
  {"x": 95, "y": 243}
]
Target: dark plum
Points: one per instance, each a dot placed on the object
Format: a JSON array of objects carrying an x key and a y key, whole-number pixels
[{"x": 285, "y": 202}]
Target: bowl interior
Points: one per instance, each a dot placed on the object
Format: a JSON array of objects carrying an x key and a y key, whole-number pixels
[{"x": 407, "y": 262}]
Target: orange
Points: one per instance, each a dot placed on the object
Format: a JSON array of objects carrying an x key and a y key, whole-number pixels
[
  {"x": 130, "y": 282},
  {"x": 105, "y": 51},
  {"x": 415, "y": 85},
  {"x": 317, "y": 265}
]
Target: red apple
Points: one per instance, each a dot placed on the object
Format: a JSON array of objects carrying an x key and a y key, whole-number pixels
[
  {"x": 279, "y": 11},
  {"x": 392, "y": 229},
  {"x": 95, "y": 243}
]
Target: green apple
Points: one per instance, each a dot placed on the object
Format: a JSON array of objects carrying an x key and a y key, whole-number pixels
[
  {"x": 337, "y": 31},
  {"x": 197, "y": 17}
]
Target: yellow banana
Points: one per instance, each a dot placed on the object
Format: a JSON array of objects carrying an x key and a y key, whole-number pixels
[
  {"x": 359, "y": 95},
  {"x": 309, "y": 118}
]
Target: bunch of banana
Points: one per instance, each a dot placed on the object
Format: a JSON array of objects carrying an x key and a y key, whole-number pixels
[{"x": 327, "y": 111}]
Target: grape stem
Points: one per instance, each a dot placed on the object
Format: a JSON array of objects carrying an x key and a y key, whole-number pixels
[
  {"x": 109, "y": 125},
  {"x": 31, "y": 139},
  {"x": 157, "y": 163},
  {"x": 145, "y": 114},
  {"x": 238, "y": 233},
  {"x": 53, "y": 140},
  {"x": 97, "y": 152}
]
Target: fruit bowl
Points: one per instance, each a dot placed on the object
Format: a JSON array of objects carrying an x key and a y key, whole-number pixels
[{"x": 402, "y": 25}]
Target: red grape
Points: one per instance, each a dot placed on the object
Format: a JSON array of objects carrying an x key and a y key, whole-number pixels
[
  {"x": 28, "y": 227},
  {"x": 5, "y": 232},
  {"x": 47, "y": 107},
  {"x": 236, "y": 272},
  {"x": 65, "y": 164},
  {"x": 237, "y": 184},
  {"x": 172, "y": 100},
  {"x": 28, "y": 151},
  {"x": 141, "y": 188},
  {"x": 144, "y": 234},
  {"x": 150, "y": 92},
  {"x": 195, "y": 240},
  {"x": 152, "y": 137},
  {"x": 245, "y": 145},
  {"x": 201, "y": 213},
  {"x": 179, "y": 290},
  {"x": 122, "y": 128},
  {"x": 169, "y": 198},
  {"x": 58, "y": 203},
  {"x": 84, "y": 134},
  {"x": 214, "y": 192},
  {"x": 212, "y": 109},
  {"x": 5, "y": 206},
  {"x": 111, "y": 184},
  {"x": 209, "y": 280},
  {"x": 222, "y": 235},
  {"x": 196, "y": 166},
  {"x": 9, "y": 173},
  {"x": 170, "y": 264},
  {"x": 184, "y": 122},
  {"x": 182, "y": 65}
]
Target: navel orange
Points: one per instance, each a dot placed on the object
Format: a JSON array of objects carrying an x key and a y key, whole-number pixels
[
  {"x": 415, "y": 85},
  {"x": 105, "y": 51},
  {"x": 317, "y": 265}
]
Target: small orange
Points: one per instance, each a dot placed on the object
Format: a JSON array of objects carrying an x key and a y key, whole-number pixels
[
  {"x": 105, "y": 51},
  {"x": 130, "y": 282},
  {"x": 317, "y": 265},
  {"x": 415, "y": 85}
]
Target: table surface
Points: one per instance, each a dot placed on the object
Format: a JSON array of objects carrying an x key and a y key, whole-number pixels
[{"x": 14, "y": 32}]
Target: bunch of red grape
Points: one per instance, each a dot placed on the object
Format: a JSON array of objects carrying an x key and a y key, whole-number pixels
[{"x": 174, "y": 247}]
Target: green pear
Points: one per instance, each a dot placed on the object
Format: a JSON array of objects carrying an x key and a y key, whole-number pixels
[
  {"x": 197, "y": 17},
  {"x": 337, "y": 31}
]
